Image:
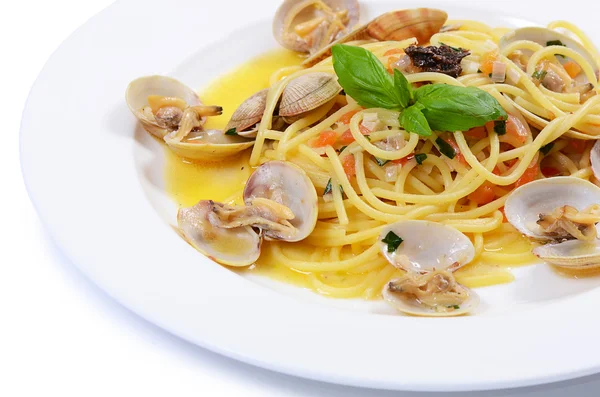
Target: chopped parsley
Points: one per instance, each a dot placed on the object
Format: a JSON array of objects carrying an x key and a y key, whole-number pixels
[
  {"x": 556, "y": 42},
  {"x": 445, "y": 148},
  {"x": 381, "y": 162},
  {"x": 539, "y": 74},
  {"x": 500, "y": 127},
  {"x": 393, "y": 241},
  {"x": 455, "y": 307},
  {"x": 420, "y": 157},
  {"x": 342, "y": 148},
  {"x": 329, "y": 189},
  {"x": 547, "y": 148},
  {"x": 231, "y": 131},
  {"x": 368, "y": 138}
]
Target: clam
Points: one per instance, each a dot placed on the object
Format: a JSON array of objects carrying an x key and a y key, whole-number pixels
[
  {"x": 233, "y": 247},
  {"x": 595, "y": 159},
  {"x": 174, "y": 95},
  {"x": 288, "y": 185},
  {"x": 420, "y": 23},
  {"x": 562, "y": 212},
  {"x": 309, "y": 25},
  {"x": 543, "y": 36},
  {"x": 308, "y": 92},
  {"x": 208, "y": 145},
  {"x": 429, "y": 252},
  {"x": 246, "y": 117}
]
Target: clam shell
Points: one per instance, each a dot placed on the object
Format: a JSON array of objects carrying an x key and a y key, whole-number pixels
[
  {"x": 325, "y": 52},
  {"x": 572, "y": 254},
  {"x": 413, "y": 307},
  {"x": 427, "y": 246},
  {"x": 287, "y": 184},
  {"x": 595, "y": 159},
  {"x": 232, "y": 247},
  {"x": 288, "y": 14},
  {"x": 210, "y": 145},
  {"x": 542, "y": 36},
  {"x": 248, "y": 114},
  {"x": 308, "y": 92},
  {"x": 140, "y": 89},
  {"x": 543, "y": 196},
  {"x": 420, "y": 23}
]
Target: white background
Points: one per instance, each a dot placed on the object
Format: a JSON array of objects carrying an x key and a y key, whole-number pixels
[{"x": 59, "y": 334}]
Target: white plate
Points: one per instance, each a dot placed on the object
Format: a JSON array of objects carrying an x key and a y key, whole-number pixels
[{"x": 96, "y": 179}]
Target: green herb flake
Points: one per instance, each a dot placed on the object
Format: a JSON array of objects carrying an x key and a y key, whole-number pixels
[
  {"x": 342, "y": 149},
  {"x": 453, "y": 48},
  {"x": 500, "y": 127},
  {"x": 455, "y": 307},
  {"x": 539, "y": 74},
  {"x": 381, "y": 162},
  {"x": 555, "y": 42},
  {"x": 368, "y": 138},
  {"x": 393, "y": 241},
  {"x": 547, "y": 148},
  {"x": 231, "y": 131},
  {"x": 445, "y": 148},
  {"x": 420, "y": 157},
  {"x": 328, "y": 188}
]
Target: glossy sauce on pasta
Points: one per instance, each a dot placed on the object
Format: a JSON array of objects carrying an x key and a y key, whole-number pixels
[{"x": 188, "y": 182}]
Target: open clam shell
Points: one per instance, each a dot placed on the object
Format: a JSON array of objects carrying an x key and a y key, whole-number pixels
[
  {"x": 291, "y": 13},
  {"x": 595, "y": 159},
  {"x": 140, "y": 89},
  {"x": 411, "y": 306},
  {"x": 286, "y": 184},
  {"x": 209, "y": 145},
  {"x": 231, "y": 247},
  {"x": 427, "y": 246},
  {"x": 308, "y": 92},
  {"x": 525, "y": 204},
  {"x": 360, "y": 33},
  {"x": 249, "y": 114},
  {"x": 573, "y": 254},
  {"x": 543, "y": 36},
  {"x": 420, "y": 23}
]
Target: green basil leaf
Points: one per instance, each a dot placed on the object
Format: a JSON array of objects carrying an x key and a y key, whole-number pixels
[
  {"x": 393, "y": 241},
  {"x": 451, "y": 108},
  {"x": 420, "y": 157},
  {"x": 412, "y": 119},
  {"x": 381, "y": 162},
  {"x": 328, "y": 188},
  {"x": 364, "y": 78},
  {"x": 539, "y": 74},
  {"x": 500, "y": 127},
  {"x": 445, "y": 148},
  {"x": 231, "y": 131},
  {"x": 403, "y": 87}
]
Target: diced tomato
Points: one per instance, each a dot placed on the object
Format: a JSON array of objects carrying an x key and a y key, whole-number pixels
[
  {"x": 577, "y": 145},
  {"x": 504, "y": 219},
  {"x": 393, "y": 51},
  {"x": 345, "y": 119},
  {"x": 404, "y": 160},
  {"x": 364, "y": 130},
  {"x": 550, "y": 171},
  {"x": 326, "y": 138},
  {"x": 459, "y": 156},
  {"x": 572, "y": 69},
  {"x": 346, "y": 138},
  {"x": 510, "y": 163},
  {"x": 476, "y": 133},
  {"x": 349, "y": 166},
  {"x": 483, "y": 195},
  {"x": 516, "y": 129},
  {"x": 496, "y": 171},
  {"x": 487, "y": 62},
  {"x": 530, "y": 173},
  {"x": 390, "y": 63}
]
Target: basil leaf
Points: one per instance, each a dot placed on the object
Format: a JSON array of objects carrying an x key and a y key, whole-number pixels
[
  {"x": 381, "y": 162},
  {"x": 555, "y": 42},
  {"x": 364, "y": 78},
  {"x": 403, "y": 87},
  {"x": 412, "y": 119},
  {"x": 231, "y": 131},
  {"x": 393, "y": 241},
  {"x": 420, "y": 157},
  {"x": 547, "y": 148},
  {"x": 445, "y": 148},
  {"x": 451, "y": 108},
  {"x": 328, "y": 188},
  {"x": 539, "y": 74},
  {"x": 500, "y": 127}
]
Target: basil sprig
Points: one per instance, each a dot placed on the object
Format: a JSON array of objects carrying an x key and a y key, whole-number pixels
[{"x": 439, "y": 107}]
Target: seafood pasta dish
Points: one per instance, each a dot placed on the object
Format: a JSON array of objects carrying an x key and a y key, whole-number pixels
[{"x": 412, "y": 158}]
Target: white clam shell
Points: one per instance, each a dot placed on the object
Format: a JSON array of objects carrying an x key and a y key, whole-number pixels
[
  {"x": 543, "y": 196},
  {"x": 573, "y": 254},
  {"x": 140, "y": 89},
  {"x": 427, "y": 246},
  {"x": 232, "y": 247},
  {"x": 289, "y": 185},
  {"x": 595, "y": 159},
  {"x": 413, "y": 307},
  {"x": 209, "y": 145}
]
